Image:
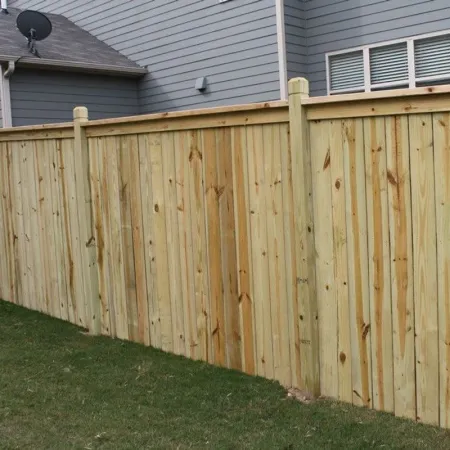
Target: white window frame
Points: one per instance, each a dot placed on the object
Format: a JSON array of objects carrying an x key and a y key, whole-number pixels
[{"x": 411, "y": 82}]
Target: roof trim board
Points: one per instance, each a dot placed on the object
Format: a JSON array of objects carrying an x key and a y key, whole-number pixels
[{"x": 41, "y": 63}]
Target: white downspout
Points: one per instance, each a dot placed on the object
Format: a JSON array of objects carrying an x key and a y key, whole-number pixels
[
  {"x": 281, "y": 40},
  {"x": 5, "y": 94}
]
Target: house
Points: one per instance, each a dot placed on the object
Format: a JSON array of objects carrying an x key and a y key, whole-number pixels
[{"x": 243, "y": 50}]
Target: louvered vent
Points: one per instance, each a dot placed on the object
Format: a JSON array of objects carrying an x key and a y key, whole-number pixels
[
  {"x": 432, "y": 57},
  {"x": 347, "y": 71},
  {"x": 389, "y": 64}
]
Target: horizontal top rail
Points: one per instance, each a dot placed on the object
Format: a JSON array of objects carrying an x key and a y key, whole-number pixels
[
  {"x": 391, "y": 93},
  {"x": 252, "y": 114},
  {"x": 45, "y": 131},
  {"x": 382, "y": 103},
  {"x": 188, "y": 113}
]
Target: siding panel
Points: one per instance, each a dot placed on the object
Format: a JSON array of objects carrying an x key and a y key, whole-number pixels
[
  {"x": 295, "y": 31},
  {"x": 47, "y": 97},
  {"x": 181, "y": 40}
]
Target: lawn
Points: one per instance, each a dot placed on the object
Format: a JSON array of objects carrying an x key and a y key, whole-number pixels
[{"x": 61, "y": 389}]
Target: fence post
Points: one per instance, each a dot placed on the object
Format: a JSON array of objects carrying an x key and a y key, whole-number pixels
[
  {"x": 304, "y": 237},
  {"x": 86, "y": 223}
]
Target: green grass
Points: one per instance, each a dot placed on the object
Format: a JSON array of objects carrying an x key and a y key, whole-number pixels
[{"x": 60, "y": 389}]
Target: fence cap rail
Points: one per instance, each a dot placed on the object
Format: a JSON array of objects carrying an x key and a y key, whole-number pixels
[
  {"x": 188, "y": 113},
  {"x": 30, "y": 132},
  {"x": 379, "y": 95}
]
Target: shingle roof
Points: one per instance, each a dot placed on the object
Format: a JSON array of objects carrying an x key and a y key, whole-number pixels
[{"x": 68, "y": 46}]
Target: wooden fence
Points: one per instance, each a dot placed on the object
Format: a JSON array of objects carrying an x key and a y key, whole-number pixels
[{"x": 308, "y": 243}]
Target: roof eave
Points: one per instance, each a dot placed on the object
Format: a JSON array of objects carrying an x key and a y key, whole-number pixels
[{"x": 71, "y": 66}]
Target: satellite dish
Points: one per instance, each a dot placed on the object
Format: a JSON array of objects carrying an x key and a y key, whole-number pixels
[{"x": 35, "y": 26}]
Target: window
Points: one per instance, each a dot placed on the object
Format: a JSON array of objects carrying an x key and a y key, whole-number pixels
[{"x": 410, "y": 62}]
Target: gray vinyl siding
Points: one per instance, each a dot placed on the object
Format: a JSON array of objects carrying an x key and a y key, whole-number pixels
[
  {"x": 336, "y": 25},
  {"x": 233, "y": 44},
  {"x": 295, "y": 31},
  {"x": 47, "y": 97}
]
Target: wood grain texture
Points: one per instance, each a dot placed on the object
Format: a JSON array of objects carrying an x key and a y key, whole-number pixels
[
  {"x": 326, "y": 297},
  {"x": 242, "y": 223},
  {"x": 146, "y": 144},
  {"x": 358, "y": 282},
  {"x": 126, "y": 231},
  {"x": 425, "y": 270},
  {"x": 112, "y": 194},
  {"x": 45, "y": 236},
  {"x": 160, "y": 244},
  {"x": 58, "y": 223},
  {"x": 212, "y": 191},
  {"x": 199, "y": 244},
  {"x": 183, "y": 176},
  {"x": 289, "y": 215},
  {"x": 441, "y": 139},
  {"x": 6, "y": 202},
  {"x": 228, "y": 244},
  {"x": 258, "y": 225},
  {"x": 100, "y": 233},
  {"x": 379, "y": 264},
  {"x": 401, "y": 254},
  {"x": 338, "y": 186},
  {"x": 276, "y": 248},
  {"x": 173, "y": 243}
]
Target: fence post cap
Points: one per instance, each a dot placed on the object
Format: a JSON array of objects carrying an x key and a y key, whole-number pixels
[
  {"x": 80, "y": 113},
  {"x": 298, "y": 86}
]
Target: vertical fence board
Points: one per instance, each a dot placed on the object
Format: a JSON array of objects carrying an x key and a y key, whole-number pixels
[
  {"x": 189, "y": 147},
  {"x": 401, "y": 253},
  {"x": 43, "y": 204},
  {"x": 52, "y": 231},
  {"x": 277, "y": 268},
  {"x": 100, "y": 233},
  {"x": 4, "y": 247},
  {"x": 379, "y": 264},
  {"x": 30, "y": 297},
  {"x": 146, "y": 144},
  {"x": 6, "y": 195},
  {"x": 108, "y": 261},
  {"x": 355, "y": 199},
  {"x": 425, "y": 272},
  {"x": 113, "y": 194},
  {"x": 73, "y": 233},
  {"x": 138, "y": 242},
  {"x": 214, "y": 247},
  {"x": 200, "y": 257},
  {"x": 328, "y": 329},
  {"x": 160, "y": 244},
  {"x": 257, "y": 198},
  {"x": 125, "y": 180},
  {"x": 338, "y": 184},
  {"x": 228, "y": 243},
  {"x": 441, "y": 138},
  {"x": 173, "y": 244},
  {"x": 240, "y": 187},
  {"x": 185, "y": 238},
  {"x": 58, "y": 226},
  {"x": 289, "y": 215},
  {"x": 20, "y": 262}
]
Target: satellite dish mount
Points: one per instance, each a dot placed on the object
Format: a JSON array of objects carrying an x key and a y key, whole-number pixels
[{"x": 35, "y": 27}]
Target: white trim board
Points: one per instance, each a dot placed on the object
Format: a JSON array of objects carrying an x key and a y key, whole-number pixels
[
  {"x": 5, "y": 99},
  {"x": 281, "y": 41}
]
